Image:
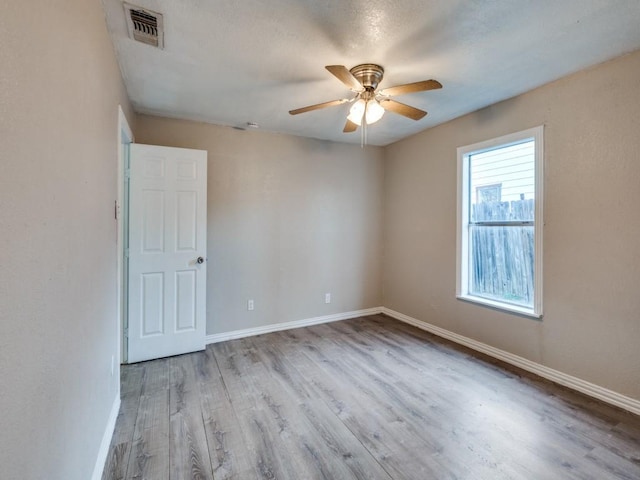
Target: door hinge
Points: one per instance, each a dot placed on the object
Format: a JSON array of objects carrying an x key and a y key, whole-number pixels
[
  {"x": 127, "y": 173},
  {"x": 126, "y": 252}
]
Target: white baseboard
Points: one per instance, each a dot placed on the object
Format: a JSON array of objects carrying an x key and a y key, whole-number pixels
[
  {"x": 595, "y": 391},
  {"x": 249, "y": 332},
  {"x": 103, "y": 452}
]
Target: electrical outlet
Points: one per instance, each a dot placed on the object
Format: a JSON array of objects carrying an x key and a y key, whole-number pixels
[
  {"x": 250, "y": 305},
  {"x": 327, "y": 298}
]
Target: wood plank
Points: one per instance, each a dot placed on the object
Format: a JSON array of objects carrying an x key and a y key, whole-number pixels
[
  {"x": 149, "y": 451},
  {"x": 227, "y": 446},
  {"x": 116, "y": 463},
  {"x": 609, "y": 464},
  {"x": 156, "y": 375},
  {"x": 131, "y": 379},
  {"x": 188, "y": 452},
  {"x": 131, "y": 383}
]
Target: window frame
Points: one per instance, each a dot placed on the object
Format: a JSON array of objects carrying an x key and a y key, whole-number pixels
[{"x": 462, "y": 237}]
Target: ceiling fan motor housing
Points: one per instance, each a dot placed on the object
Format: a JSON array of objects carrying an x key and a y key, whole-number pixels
[{"x": 368, "y": 74}]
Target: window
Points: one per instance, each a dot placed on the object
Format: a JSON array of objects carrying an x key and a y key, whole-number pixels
[
  {"x": 500, "y": 222},
  {"x": 488, "y": 193}
]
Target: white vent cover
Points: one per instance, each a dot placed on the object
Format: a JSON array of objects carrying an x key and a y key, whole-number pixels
[{"x": 144, "y": 25}]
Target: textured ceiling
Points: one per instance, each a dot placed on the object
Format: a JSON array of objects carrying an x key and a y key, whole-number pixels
[{"x": 230, "y": 62}]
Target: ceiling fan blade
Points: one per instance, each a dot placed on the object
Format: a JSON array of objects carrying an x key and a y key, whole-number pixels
[
  {"x": 402, "y": 109},
  {"x": 411, "y": 87},
  {"x": 345, "y": 76},
  {"x": 318, "y": 106},
  {"x": 350, "y": 127}
]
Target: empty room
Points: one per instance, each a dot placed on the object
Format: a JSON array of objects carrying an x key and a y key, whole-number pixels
[{"x": 305, "y": 239}]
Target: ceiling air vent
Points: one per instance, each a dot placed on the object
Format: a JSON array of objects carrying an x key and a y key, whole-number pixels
[{"x": 144, "y": 25}]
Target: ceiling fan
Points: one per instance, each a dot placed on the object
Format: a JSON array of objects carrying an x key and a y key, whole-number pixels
[{"x": 369, "y": 105}]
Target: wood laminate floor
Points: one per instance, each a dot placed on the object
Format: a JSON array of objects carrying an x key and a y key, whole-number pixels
[{"x": 368, "y": 398}]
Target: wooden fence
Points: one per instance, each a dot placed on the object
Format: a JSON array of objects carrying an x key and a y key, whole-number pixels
[{"x": 503, "y": 257}]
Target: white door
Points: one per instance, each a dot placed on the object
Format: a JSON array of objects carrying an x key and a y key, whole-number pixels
[{"x": 167, "y": 251}]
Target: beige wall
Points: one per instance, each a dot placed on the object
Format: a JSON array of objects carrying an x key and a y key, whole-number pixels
[
  {"x": 59, "y": 92},
  {"x": 289, "y": 219},
  {"x": 591, "y": 325}
]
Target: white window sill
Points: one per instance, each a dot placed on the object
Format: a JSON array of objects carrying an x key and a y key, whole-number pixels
[{"x": 527, "y": 312}]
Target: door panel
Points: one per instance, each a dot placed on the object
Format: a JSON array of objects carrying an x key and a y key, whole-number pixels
[
  {"x": 153, "y": 233},
  {"x": 167, "y": 234},
  {"x": 185, "y": 300},
  {"x": 186, "y": 213},
  {"x": 152, "y": 304}
]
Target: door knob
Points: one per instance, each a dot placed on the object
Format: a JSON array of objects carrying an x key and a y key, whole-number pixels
[{"x": 200, "y": 260}]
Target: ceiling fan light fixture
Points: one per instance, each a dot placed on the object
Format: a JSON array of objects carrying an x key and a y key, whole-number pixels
[
  {"x": 356, "y": 112},
  {"x": 370, "y": 111},
  {"x": 374, "y": 112}
]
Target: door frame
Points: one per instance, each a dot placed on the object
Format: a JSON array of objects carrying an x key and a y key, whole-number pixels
[{"x": 125, "y": 137}]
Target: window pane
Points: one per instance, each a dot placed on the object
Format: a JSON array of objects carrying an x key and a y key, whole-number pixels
[
  {"x": 501, "y": 263},
  {"x": 502, "y": 184}
]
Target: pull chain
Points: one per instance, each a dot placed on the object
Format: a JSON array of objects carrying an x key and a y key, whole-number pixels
[{"x": 363, "y": 134}]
